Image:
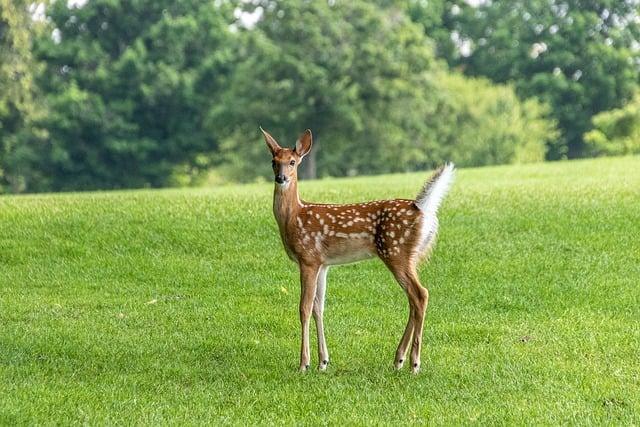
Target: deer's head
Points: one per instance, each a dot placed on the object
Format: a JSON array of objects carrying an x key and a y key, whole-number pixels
[{"x": 285, "y": 160}]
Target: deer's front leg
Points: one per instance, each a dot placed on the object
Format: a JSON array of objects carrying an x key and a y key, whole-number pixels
[
  {"x": 308, "y": 282},
  {"x": 318, "y": 315}
]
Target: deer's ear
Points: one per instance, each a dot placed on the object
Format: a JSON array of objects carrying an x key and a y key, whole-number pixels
[
  {"x": 273, "y": 145},
  {"x": 304, "y": 143}
]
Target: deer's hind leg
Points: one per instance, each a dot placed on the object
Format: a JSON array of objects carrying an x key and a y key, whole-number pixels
[
  {"x": 401, "y": 352},
  {"x": 420, "y": 295},
  {"x": 418, "y": 299}
]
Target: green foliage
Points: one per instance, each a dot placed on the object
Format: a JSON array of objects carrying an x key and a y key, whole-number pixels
[
  {"x": 365, "y": 80},
  {"x": 436, "y": 19},
  {"x": 579, "y": 57},
  {"x": 129, "y": 83},
  {"x": 18, "y": 98},
  {"x": 349, "y": 71},
  {"x": 15, "y": 48},
  {"x": 179, "y": 307},
  {"x": 616, "y": 132},
  {"x": 139, "y": 93},
  {"x": 477, "y": 123}
]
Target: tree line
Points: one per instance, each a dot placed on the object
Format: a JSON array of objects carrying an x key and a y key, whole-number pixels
[{"x": 149, "y": 93}]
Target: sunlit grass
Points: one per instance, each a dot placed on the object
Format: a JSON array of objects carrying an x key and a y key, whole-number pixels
[{"x": 179, "y": 306}]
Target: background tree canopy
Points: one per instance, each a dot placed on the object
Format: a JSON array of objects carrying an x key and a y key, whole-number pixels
[
  {"x": 18, "y": 106},
  {"x": 135, "y": 93},
  {"x": 128, "y": 85},
  {"x": 580, "y": 57}
]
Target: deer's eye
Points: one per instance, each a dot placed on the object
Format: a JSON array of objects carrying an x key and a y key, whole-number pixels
[{"x": 292, "y": 162}]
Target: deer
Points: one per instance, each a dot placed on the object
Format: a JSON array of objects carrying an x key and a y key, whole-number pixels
[{"x": 316, "y": 236}]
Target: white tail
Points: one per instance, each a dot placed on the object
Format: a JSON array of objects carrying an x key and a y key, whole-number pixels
[
  {"x": 429, "y": 200},
  {"x": 430, "y": 197},
  {"x": 317, "y": 236}
]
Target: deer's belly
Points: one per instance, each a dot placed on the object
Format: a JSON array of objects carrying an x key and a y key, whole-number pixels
[{"x": 349, "y": 252}]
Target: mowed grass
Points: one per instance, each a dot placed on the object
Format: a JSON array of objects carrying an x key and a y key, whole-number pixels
[{"x": 180, "y": 307}]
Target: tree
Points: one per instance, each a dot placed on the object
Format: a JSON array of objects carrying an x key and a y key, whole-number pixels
[
  {"x": 347, "y": 70},
  {"x": 478, "y": 123},
  {"x": 616, "y": 132},
  {"x": 129, "y": 83},
  {"x": 365, "y": 80},
  {"x": 18, "y": 106},
  {"x": 151, "y": 93},
  {"x": 580, "y": 57}
]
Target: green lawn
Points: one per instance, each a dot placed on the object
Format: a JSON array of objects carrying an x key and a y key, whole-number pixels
[{"x": 180, "y": 306}]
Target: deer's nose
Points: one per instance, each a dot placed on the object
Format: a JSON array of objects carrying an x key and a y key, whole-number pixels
[{"x": 280, "y": 179}]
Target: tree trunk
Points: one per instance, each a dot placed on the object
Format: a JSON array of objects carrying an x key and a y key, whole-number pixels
[{"x": 310, "y": 170}]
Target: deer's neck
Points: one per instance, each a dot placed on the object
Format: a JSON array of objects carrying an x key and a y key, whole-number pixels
[{"x": 286, "y": 203}]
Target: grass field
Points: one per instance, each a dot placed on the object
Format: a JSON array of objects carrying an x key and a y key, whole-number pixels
[{"x": 180, "y": 306}]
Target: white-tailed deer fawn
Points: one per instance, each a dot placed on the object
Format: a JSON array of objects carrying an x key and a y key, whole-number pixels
[{"x": 316, "y": 236}]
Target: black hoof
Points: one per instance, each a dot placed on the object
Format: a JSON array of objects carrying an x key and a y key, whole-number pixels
[
  {"x": 306, "y": 367},
  {"x": 324, "y": 362},
  {"x": 401, "y": 361},
  {"x": 415, "y": 365}
]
